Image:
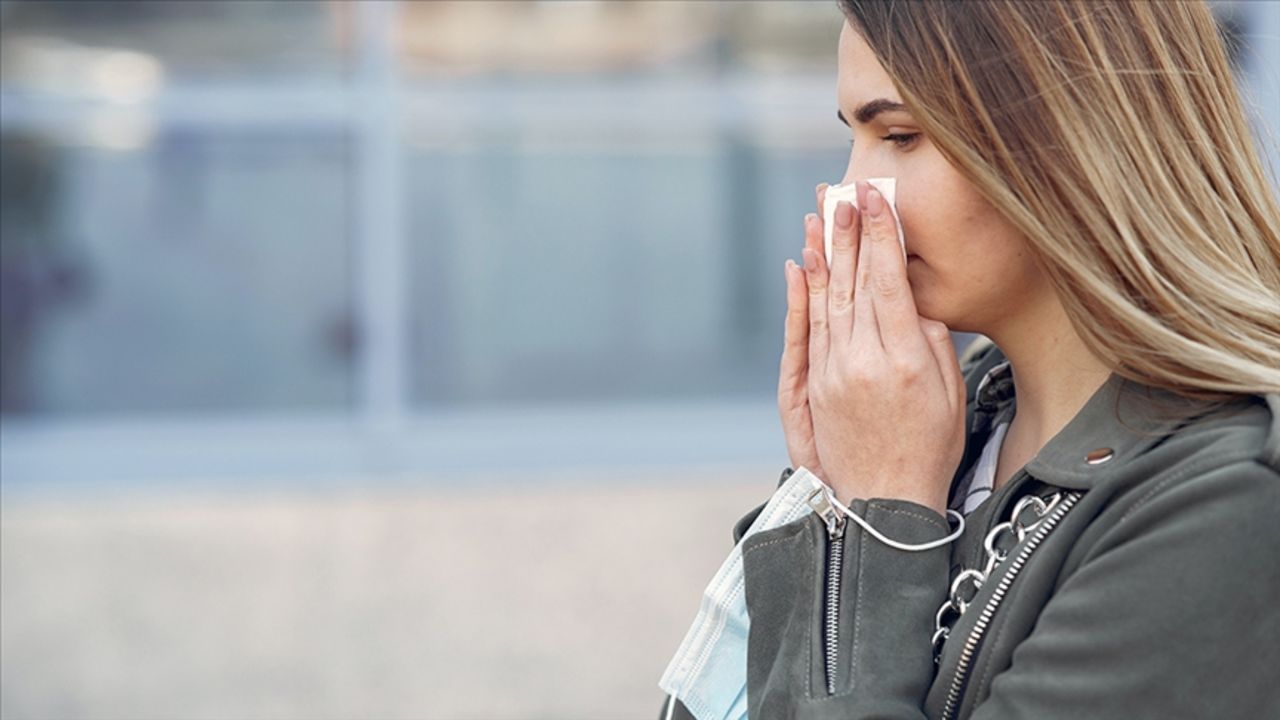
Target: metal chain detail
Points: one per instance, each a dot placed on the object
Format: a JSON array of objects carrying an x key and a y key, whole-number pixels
[{"x": 1027, "y": 513}]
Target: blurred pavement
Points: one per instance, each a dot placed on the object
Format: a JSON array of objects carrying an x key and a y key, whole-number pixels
[{"x": 555, "y": 598}]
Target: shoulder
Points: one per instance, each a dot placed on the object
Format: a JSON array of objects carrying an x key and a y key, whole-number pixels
[
  {"x": 1223, "y": 467},
  {"x": 1166, "y": 570},
  {"x": 1244, "y": 434}
]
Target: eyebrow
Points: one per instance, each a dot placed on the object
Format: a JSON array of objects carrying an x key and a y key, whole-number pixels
[{"x": 867, "y": 111}]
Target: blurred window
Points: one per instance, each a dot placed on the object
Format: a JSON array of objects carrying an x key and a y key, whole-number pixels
[
  {"x": 348, "y": 207},
  {"x": 175, "y": 203},
  {"x": 601, "y": 195},
  {"x": 200, "y": 235},
  {"x": 195, "y": 271}
]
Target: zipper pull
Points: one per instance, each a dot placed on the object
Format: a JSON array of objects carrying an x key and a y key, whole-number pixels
[{"x": 833, "y": 518}]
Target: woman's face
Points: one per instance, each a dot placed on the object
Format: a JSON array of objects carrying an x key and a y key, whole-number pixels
[{"x": 967, "y": 265}]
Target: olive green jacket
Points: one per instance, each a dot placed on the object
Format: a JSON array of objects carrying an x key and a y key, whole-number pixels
[{"x": 1153, "y": 594}]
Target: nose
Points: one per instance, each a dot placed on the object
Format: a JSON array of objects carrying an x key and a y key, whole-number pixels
[{"x": 861, "y": 168}]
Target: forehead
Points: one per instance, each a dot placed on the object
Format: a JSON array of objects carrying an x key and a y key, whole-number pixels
[{"x": 859, "y": 75}]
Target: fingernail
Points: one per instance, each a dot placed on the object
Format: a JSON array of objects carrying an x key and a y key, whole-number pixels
[
  {"x": 844, "y": 215},
  {"x": 821, "y": 186},
  {"x": 810, "y": 219},
  {"x": 875, "y": 203},
  {"x": 810, "y": 260}
]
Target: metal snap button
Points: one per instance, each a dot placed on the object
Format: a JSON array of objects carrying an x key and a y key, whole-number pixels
[{"x": 1097, "y": 456}]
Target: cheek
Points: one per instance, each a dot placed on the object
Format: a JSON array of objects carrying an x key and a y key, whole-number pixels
[
  {"x": 947, "y": 222},
  {"x": 969, "y": 258},
  {"x": 963, "y": 251},
  {"x": 935, "y": 230}
]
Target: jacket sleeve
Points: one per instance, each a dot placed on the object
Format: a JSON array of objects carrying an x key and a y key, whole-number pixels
[
  {"x": 886, "y": 597},
  {"x": 1171, "y": 613}
]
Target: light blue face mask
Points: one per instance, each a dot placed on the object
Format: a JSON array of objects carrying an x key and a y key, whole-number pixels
[{"x": 709, "y": 671}]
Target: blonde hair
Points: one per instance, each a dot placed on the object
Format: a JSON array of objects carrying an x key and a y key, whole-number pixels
[{"x": 1112, "y": 135}]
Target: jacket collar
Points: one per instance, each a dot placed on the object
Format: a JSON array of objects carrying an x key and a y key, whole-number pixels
[{"x": 1119, "y": 422}]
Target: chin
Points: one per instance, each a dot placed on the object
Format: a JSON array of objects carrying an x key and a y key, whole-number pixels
[
  {"x": 932, "y": 304},
  {"x": 938, "y": 310}
]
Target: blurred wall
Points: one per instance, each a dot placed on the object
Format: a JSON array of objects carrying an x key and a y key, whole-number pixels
[
  {"x": 338, "y": 223},
  {"x": 368, "y": 231}
]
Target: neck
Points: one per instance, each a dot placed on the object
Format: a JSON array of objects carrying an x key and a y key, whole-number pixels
[{"x": 1053, "y": 372}]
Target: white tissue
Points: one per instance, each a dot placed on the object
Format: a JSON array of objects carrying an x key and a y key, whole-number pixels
[{"x": 835, "y": 193}]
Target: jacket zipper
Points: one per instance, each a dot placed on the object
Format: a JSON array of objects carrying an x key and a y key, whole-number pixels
[
  {"x": 988, "y": 611},
  {"x": 835, "y": 523}
]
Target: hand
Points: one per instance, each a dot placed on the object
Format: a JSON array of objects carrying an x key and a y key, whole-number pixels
[
  {"x": 884, "y": 387},
  {"x": 793, "y": 373}
]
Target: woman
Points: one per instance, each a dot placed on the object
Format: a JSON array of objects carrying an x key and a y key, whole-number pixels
[{"x": 1075, "y": 182}]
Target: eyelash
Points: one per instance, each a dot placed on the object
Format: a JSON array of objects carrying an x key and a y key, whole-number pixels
[{"x": 902, "y": 140}]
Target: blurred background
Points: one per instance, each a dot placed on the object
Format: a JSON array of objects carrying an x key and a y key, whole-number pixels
[{"x": 396, "y": 360}]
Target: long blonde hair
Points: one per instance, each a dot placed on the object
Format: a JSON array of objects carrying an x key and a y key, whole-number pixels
[{"x": 1112, "y": 135}]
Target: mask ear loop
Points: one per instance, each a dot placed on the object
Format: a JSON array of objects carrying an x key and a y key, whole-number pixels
[
  {"x": 893, "y": 543},
  {"x": 671, "y": 706}
]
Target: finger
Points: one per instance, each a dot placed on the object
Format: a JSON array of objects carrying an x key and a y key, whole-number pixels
[
  {"x": 795, "y": 341},
  {"x": 895, "y": 307},
  {"x": 840, "y": 293},
  {"x": 816, "y": 241},
  {"x": 813, "y": 233},
  {"x": 944, "y": 352},
  {"x": 866, "y": 331},
  {"x": 815, "y": 276}
]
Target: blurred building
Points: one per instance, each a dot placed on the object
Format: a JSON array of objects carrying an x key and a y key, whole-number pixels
[
  {"x": 334, "y": 222},
  {"x": 331, "y": 236}
]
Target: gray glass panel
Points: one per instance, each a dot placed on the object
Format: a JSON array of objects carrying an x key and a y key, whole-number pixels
[
  {"x": 196, "y": 272},
  {"x": 562, "y": 271}
]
